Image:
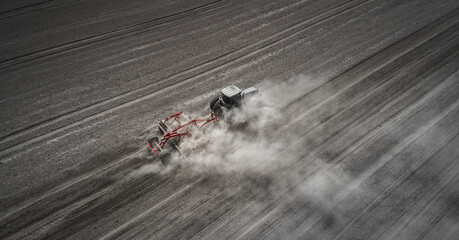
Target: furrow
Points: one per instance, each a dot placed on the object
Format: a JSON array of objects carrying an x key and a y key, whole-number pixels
[
  {"x": 405, "y": 223},
  {"x": 77, "y": 44},
  {"x": 419, "y": 183},
  {"x": 365, "y": 139},
  {"x": 147, "y": 92},
  {"x": 119, "y": 230},
  {"x": 402, "y": 89},
  {"x": 33, "y": 8},
  {"x": 154, "y": 219},
  {"x": 400, "y": 179},
  {"x": 309, "y": 164}
]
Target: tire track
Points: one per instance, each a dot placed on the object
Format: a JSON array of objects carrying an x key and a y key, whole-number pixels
[
  {"x": 394, "y": 110},
  {"x": 77, "y": 44},
  {"x": 431, "y": 124},
  {"x": 296, "y": 167},
  {"x": 419, "y": 208},
  {"x": 144, "y": 189},
  {"x": 35, "y": 223},
  {"x": 379, "y": 118},
  {"x": 139, "y": 95},
  {"x": 68, "y": 184},
  {"x": 355, "y": 202},
  {"x": 220, "y": 205},
  {"x": 399, "y": 180},
  {"x": 266, "y": 214},
  {"x": 380, "y": 59},
  {"x": 168, "y": 230},
  {"x": 177, "y": 193},
  {"x": 77, "y": 180},
  {"x": 266, "y": 16},
  {"x": 224, "y": 219},
  {"x": 374, "y": 131},
  {"x": 440, "y": 221},
  {"x": 179, "y": 224},
  {"x": 334, "y": 159},
  {"x": 72, "y": 210},
  {"x": 346, "y": 116},
  {"x": 36, "y": 7},
  {"x": 411, "y": 108},
  {"x": 133, "y": 229},
  {"x": 116, "y": 49},
  {"x": 332, "y": 103},
  {"x": 408, "y": 121},
  {"x": 448, "y": 173},
  {"x": 318, "y": 219}
]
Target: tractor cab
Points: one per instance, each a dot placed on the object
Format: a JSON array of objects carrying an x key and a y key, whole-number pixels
[{"x": 231, "y": 95}]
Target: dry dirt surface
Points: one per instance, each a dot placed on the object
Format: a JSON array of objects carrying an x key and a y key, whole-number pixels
[{"x": 360, "y": 140}]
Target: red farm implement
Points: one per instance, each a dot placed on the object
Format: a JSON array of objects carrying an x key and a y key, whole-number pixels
[{"x": 175, "y": 129}]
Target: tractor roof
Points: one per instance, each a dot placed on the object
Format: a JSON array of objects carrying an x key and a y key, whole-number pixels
[{"x": 231, "y": 91}]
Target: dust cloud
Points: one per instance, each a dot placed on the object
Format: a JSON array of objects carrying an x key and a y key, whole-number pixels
[
  {"x": 257, "y": 147},
  {"x": 251, "y": 144}
]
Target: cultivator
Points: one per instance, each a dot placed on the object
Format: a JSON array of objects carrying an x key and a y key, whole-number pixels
[{"x": 175, "y": 129}]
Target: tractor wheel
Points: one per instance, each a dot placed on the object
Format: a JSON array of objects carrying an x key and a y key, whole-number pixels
[{"x": 212, "y": 103}]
